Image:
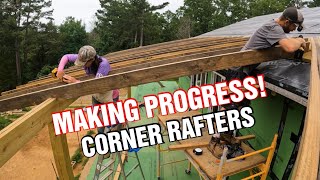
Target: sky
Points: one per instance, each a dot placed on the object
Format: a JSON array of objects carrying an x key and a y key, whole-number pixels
[{"x": 85, "y": 9}]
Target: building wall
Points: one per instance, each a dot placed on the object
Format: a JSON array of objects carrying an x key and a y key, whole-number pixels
[{"x": 267, "y": 113}]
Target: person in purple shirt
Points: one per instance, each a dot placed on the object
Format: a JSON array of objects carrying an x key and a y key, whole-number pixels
[{"x": 92, "y": 64}]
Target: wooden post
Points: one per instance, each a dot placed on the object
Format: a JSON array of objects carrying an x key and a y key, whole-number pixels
[
  {"x": 22, "y": 130},
  {"x": 61, "y": 154}
]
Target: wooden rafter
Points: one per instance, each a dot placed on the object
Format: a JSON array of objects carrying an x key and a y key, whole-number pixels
[
  {"x": 145, "y": 75},
  {"x": 167, "y": 53},
  {"x": 55, "y": 83},
  {"x": 307, "y": 163}
]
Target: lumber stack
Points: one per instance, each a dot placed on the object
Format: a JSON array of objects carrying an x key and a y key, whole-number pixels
[
  {"x": 135, "y": 59},
  {"x": 143, "y": 65}
]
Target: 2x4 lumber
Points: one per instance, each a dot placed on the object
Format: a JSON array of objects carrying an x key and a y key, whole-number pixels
[
  {"x": 193, "y": 145},
  {"x": 61, "y": 154},
  {"x": 168, "y": 57},
  {"x": 307, "y": 163},
  {"x": 180, "y": 53},
  {"x": 158, "y": 47},
  {"x": 146, "y": 75},
  {"x": 113, "y": 58},
  {"x": 164, "y": 53},
  {"x": 177, "y": 59},
  {"x": 134, "y": 51},
  {"x": 70, "y": 69},
  {"x": 21, "y": 131},
  {"x": 203, "y": 143},
  {"x": 146, "y": 50},
  {"x": 124, "y": 69},
  {"x": 55, "y": 82},
  {"x": 174, "y": 48},
  {"x": 164, "y": 44}
]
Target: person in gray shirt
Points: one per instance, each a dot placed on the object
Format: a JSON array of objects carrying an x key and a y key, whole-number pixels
[{"x": 271, "y": 34}]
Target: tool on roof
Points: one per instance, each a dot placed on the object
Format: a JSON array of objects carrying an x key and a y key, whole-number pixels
[{"x": 54, "y": 72}]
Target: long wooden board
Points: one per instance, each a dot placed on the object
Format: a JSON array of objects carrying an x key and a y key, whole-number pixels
[
  {"x": 82, "y": 77},
  {"x": 22, "y": 130},
  {"x": 146, "y": 75},
  {"x": 162, "y": 54},
  {"x": 307, "y": 163}
]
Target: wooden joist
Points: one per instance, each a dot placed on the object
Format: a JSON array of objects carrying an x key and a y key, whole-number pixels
[
  {"x": 203, "y": 143},
  {"x": 152, "y": 47},
  {"x": 162, "y": 54},
  {"x": 22, "y": 130},
  {"x": 145, "y": 75},
  {"x": 56, "y": 83},
  {"x": 307, "y": 163},
  {"x": 134, "y": 51}
]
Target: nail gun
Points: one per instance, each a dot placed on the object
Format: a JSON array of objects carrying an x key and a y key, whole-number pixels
[{"x": 54, "y": 72}]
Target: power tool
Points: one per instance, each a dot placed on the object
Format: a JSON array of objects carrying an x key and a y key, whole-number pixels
[{"x": 54, "y": 72}]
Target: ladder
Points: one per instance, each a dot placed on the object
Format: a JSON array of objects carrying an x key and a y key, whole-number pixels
[{"x": 106, "y": 169}]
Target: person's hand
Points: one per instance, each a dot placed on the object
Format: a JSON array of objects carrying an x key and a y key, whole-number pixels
[
  {"x": 69, "y": 79},
  {"x": 303, "y": 43},
  {"x": 60, "y": 74}
]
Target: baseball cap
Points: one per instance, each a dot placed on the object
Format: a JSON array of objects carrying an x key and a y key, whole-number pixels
[
  {"x": 85, "y": 54},
  {"x": 294, "y": 15}
]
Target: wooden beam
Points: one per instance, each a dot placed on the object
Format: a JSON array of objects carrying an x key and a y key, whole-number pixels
[
  {"x": 307, "y": 163},
  {"x": 146, "y": 75},
  {"x": 21, "y": 131},
  {"x": 203, "y": 144},
  {"x": 175, "y": 49},
  {"x": 124, "y": 69},
  {"x": 184, "y": 146},
  {"x": 153, "y": 47},
  {"x": 135, "y": 51},
  {"x": 179, "y": 53},
  {"x": 154, "y": 56},
  {"x": 61, "y": 154}
]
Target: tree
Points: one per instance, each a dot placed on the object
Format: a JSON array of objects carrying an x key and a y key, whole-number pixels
[
  {"x": 199, "y": 14},
  {"x": 126, "y": 24},
  {"x": 7, "y": 49},
  {"x": 27, "y": 14},
  {"x": 72, "y": 35}
]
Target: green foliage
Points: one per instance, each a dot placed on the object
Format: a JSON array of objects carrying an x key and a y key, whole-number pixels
[
  {"x": 85, "y": 161},
  {"x": 77, "y": 177},
  {"x": 72, "y": 35},
  {"x": 127, "y": 24},
  {"x": 91, "y": 132},
  {"x": 26, "y": 109},
  {"x": 13, "y": 116},
  {"x": 77, "y": 157},
  {"x": 4, "y": 122},
  {"x": 45, "y": 70}
]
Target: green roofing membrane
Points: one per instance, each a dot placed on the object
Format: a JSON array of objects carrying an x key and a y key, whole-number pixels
[{"x": 267, "y": 112}]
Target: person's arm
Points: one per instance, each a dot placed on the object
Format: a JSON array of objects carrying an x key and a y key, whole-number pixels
[
  {"x": 64, "y": 60},
  {"x": 276, "y": 36},
  {"x": 292, "y": 44}
]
